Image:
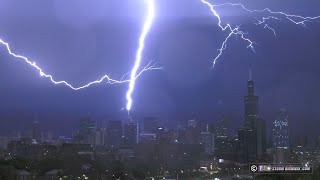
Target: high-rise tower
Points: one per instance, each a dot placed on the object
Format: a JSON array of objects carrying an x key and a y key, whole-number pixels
[
  {"x": 252, "y": 138},
  {"x": 280, "y": 137},
  {"x": 36, "y": 133},
  {"x": 131, "y": 132},
  {"x": 87, "y": 130},
  {"x": 280, "y": 130},
  {"x": 251, "y": 106},
  {"x": 114, "y": 133}
]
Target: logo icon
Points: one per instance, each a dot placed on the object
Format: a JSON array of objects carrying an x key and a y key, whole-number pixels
[{"x": 254, "y": 168}]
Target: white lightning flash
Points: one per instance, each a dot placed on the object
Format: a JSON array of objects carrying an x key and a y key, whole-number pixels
[
  {"x": 296, "y": 19},
  {"x": 134, "y": 74},
  {"x": 146, "y": 28},
  {"x": 273, "y": 15},
  {"x": 233, "y": 31},
  {"x": 108, "y": 79}
]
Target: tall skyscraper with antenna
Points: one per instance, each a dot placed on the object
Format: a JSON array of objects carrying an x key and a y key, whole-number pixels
[
  {"x": 252, "y": 137},
  {"x": 251, "y": 105},
  {"x": 36, "y": 133}
]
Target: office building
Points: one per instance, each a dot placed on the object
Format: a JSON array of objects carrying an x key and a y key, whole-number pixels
[
  {"x": 280, "y": 137},
  {"x": 300, "y": 141},
  {"x": 280, "y": 131},
  {"x": 222, "y": 128},
  {"x": 36, "y": 133},
  {"x": 150, "y": 124},
  {"x": 221, "y": 135},
  {"x": 192, "y": 135},
  {"x": 207, "y": 140},
  {"x": 99, "y": 139},
  {"x": 247, "y": 145},
  {"x": 147, "y": 138},
  {"x": 261, "y": 138},
  {"x": 114, "y": 133},
  {"x": 192, "y": 123},
  {"x": 87, "y": 131},
  {"x": 131, "y": 133}
]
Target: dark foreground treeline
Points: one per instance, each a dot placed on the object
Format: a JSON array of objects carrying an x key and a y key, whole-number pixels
[{"x": 75, "y": 168}]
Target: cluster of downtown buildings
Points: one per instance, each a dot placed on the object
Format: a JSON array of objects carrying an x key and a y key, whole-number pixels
[{"x": 194, "y": 145}]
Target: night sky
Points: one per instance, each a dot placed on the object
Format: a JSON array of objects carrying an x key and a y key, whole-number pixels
[{"x": 80, "y": 41}]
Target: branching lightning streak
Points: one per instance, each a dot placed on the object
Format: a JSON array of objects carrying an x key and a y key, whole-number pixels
[
  {"x": 296, "y": 19},
  {"x": 108, "y": 79},
  {"x": 274, "y": 15},
  {"x": 134, "y": 74},
  {"x": 146, "y": 28},
  {"x": 264, "y": 21},
  {"x": 268, "y": 27},
  {"x": 233, "y": 31}
]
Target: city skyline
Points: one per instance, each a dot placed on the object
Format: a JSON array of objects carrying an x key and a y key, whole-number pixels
[
  {"x": 191, "y": 144},
  {"x": 180, "y": 119},
  {"x": 154, "y": 121}
]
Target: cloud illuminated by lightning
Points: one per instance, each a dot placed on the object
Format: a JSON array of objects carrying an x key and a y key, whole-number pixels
[
  {"x": 146, "y": 28},
  {"x": 273, "y": 15},
  {"x": 106, "y": 78}
]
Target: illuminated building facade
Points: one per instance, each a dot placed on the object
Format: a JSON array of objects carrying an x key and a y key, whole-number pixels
[{"x": 280, "y": 131}]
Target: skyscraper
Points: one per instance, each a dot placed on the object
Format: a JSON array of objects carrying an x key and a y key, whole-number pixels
[
  {"x": 147, "y": 138},
  {"x": 150, "y": 124},
  {"x": 247, "y": 145},
  {"x": 193, "y": 132},
  {"x": 131, "y": 132},
  {"x": 221, "y": 135},
  {"x": 280, "y": 137},
  {"x": 87, "y": 130},
  {"x": 252, "y": 137},
  {"x": 261, "y": 138},
  {"x": 36, "y": 134},
  {"x": 300, "y": 141},
  {"x": 222, "y": 128},
  {"x": 114, "y": 133},
  {"x": 207, "y": 139},
  {"x": 280, "y": 131},
  {"x": 192, "y": 123},
  {"x": 99, "y": 139},
  {"x": 251, "y": 106}
]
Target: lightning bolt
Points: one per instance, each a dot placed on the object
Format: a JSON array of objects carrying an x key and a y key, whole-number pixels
[
  {"x": 296, "y": 19},
  {"x": 233, "y": 31},
  {"x": 134, "y": 72},
  {"x": 108, "y": 79},
  {"x": 146, "y": 28},
  {"x": 273, "y": 15},
  {"x": 263, "y": 22}
]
